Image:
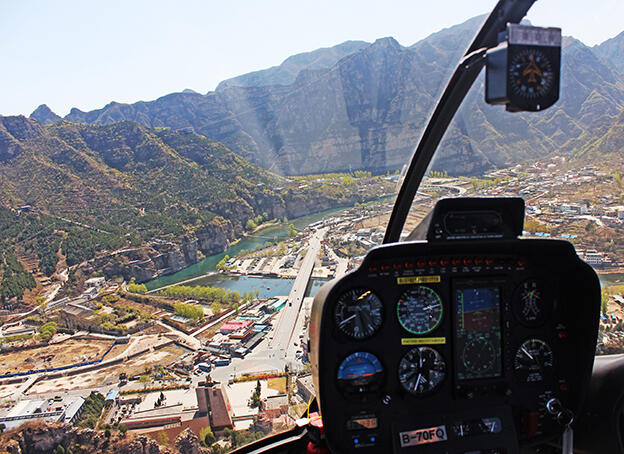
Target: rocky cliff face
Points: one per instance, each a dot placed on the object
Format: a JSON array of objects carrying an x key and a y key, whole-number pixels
[
  {"x": 43, "y": 438},
  {"x": 368, "y": 109},
  {"x": 216, "y": 237}
]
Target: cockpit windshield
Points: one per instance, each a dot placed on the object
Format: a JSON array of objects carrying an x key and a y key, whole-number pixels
[{"x": 177, "y": 181}]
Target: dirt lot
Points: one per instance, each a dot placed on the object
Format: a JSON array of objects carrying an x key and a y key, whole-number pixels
[
  {"x": 110, "y": 375},
  {"x": 379, "y": 223},
  {"x": 278, "y": 384},
  {"x": 55, "y": 355}
]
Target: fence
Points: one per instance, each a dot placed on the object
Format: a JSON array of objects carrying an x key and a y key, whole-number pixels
[{"x": 58, "y": 369}]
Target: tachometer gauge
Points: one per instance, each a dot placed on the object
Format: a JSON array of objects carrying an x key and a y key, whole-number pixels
[
  {"x": 529, "y": 303},
  {"x": 421, "y": 370},
  {"x": 359, "y": 374},
  {"x": 533, "y": 362},
  {"x": 479, "y": 355},
  {"x": 358, "y": 313},
  {"x": 419, "y": 310}
]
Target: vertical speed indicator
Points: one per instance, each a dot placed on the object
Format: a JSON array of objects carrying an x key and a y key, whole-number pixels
[{"x": 358, "y": 313}]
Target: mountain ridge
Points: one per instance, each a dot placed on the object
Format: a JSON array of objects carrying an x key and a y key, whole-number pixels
[{"x": 368, "y": 109}]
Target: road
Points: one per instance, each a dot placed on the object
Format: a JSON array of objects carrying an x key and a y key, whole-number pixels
[
  {"x": 342, "y": 263},
  {"x": 288, "y": 315},
  {"x": 190, "y": 342}
]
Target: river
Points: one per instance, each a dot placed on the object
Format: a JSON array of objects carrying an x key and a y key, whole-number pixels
[
  {"x": 611, "y": 279},
  {"x": 260, "y": 237}
]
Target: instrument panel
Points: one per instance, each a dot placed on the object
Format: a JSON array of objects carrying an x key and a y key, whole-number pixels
[{"x": 438, "y": 347}]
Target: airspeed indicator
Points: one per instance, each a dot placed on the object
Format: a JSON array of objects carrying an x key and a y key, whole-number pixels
[{"x": 419, "y": 310}]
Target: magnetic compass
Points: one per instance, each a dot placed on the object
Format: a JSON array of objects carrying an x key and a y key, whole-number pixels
[{"x": 531, "y": 73}]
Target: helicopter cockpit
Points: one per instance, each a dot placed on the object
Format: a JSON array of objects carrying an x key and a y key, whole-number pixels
[{"x": 465, "y": 339}]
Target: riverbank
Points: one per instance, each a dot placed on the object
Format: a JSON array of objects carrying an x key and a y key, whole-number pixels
[{"x": 207, "y": 266}]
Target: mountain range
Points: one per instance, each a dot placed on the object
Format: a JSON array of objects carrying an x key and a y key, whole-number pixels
[{"x": 363, "y": 106}]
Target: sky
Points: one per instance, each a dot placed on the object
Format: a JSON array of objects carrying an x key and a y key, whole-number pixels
[{"x": 85, "y": 54}]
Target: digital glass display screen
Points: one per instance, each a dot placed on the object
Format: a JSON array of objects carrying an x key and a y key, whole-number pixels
[{"x": 477, "y": 333}]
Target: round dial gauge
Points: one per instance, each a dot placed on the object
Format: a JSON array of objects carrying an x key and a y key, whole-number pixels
[
  {"x": 358, "y": 313},
  {"x": 359, "y": 374},
  {"x": 533, "y": 362},
  {"x": 531, "y": 74},
  {"x": 529, "y": 303},
  {"x": 419, "y": 310},
  {"x": 421, "y": 370},
  {"x": 479, "y": 355}
]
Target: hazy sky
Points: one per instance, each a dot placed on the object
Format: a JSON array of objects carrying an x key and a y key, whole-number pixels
[{"x": 87, "y": 53}]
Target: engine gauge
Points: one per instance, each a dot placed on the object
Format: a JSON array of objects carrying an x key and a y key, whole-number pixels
[
  {"x": 359, "y": 374},
  {"x": 358, "y": 313},
  {"x": 421, "y": 370},
  {"x": 533, "y": 362},
  {"x": 479, "y": 356},
  {"x": 530, "y": 303},
  {"x": 419, "y": 310}
]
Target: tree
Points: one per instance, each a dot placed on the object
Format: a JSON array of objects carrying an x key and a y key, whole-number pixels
[
  {"x": 216, "y": 307},
  {"x": 604, "y": 302},
  {"x": 137, "y": 288},
  {"x": 145, "y": 380},
  {"x": 291, "y": 230},
  {"x": 163, "y": 438},
  {"x": 221, "y": 265},
  {"x": 235, "y": 307},
  {"x": 250, "y": 225},
  {"x": 256, "y": 397},
  {"x": 47, "y": 330},
  {"x": 347, "y": 180},
  {"x": 206, "y": 437}
]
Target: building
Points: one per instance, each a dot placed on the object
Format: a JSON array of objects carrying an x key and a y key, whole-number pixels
[
  {"x": 96, "y": 282},
  {"x": 593, "y": 257},
  {"x": 305, "y": 387},
  {"x": 66, "y": 410},
  {"x": 212, "y": 400},
  {"x": 77, "y": 316},
  {"x": 276, "y": 406},
  {"x": 235, "y": 325}
]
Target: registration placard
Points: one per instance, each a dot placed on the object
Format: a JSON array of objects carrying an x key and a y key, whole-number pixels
[{"x": 423, "y": 436}]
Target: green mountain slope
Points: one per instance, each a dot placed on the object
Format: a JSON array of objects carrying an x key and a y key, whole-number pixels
[{"x": 95, "y": 188}]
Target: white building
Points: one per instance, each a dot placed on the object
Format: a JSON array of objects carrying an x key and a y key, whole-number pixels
[{"x": 593, "y": 257}]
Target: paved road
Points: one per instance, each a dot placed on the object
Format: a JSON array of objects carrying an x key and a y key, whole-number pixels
[{"x": 288, "y": 315}]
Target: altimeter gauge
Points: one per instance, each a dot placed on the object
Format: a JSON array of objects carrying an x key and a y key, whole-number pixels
[{"x": 358, "y": 313}]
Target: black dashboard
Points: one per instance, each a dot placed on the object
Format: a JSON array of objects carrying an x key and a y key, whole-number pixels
[{"x": 454, "y": 346}]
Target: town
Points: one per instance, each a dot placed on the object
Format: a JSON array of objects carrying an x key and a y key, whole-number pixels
[{"x": 217, "y": 362}]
